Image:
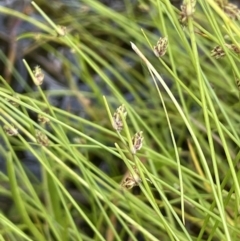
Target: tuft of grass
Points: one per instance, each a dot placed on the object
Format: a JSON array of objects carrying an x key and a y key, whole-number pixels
[{"x": 162, "y": 164}]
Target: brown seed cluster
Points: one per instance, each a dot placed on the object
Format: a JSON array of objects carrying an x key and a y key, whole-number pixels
[
  {"x": 117, "y": 122},
  {"x": 234, "y": 48},
  {"x": 187, "y": 10},
  {"x": 42, "y": 139},
  {"x": 161, "y": 48},
  {"x": 10, "y": 130},
  {"x": 42, "y": 119},
  {"x": 230, "y": 9},
  {"x": 132, "y": 180},
  {"x": 218, "y": 51},
  {"x": 137, "y": 141}
]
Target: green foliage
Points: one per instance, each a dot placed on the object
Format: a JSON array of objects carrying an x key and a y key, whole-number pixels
[{"x": 178, "y": 178}]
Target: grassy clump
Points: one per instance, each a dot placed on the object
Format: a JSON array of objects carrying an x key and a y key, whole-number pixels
[{"x": 178, "y": 177}]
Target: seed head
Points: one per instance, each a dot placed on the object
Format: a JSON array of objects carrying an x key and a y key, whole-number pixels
[
  {"x": 217, "y": 52},
  {"x": 221, "y": 3},
  {"x": 43, "y": 119},
  {"x": 232, "y": 11},
  {"x": 132, "y": 180},
  {"x": 38, "y": 76},
  {"x": 233, "y": 47},
  {"x": 42, "y": 139},
  {"x": 10, "y": 130},
  {"x": 137, "y": 142},
  {"x": 61, "y": 30},
  {"x": 117, "y": 122},
  {"x": 161, "y": 48},
  {"x": 187, "y": 10}
]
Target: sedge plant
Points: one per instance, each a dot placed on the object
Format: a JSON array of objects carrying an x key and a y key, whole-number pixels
[{"x": 171, "y": 150}]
